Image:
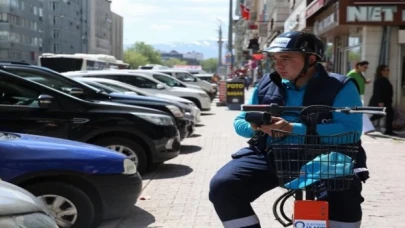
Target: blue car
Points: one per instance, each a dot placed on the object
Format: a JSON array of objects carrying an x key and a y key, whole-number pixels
[{"x": 81, "y": 184}]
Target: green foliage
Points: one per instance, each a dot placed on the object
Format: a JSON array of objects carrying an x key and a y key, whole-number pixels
[
  {"x": 141, "y": 53},
  {"x": 210, "y": 65},
  {"x": 173, "y": 61}
]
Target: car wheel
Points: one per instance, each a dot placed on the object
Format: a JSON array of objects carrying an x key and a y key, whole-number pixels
[
  {"x": 133, "y": 150},
  {"x": 69, "y": 205}
]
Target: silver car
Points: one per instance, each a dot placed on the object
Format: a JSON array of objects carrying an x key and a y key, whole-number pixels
[{"x": 19, "y": 208}]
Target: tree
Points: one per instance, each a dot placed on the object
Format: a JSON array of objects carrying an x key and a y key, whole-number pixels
[
  {"x": 173, "y": 61},
  {"x": 210, "y": 65},
  {"x": 135, "y": 59},
  {"x": 152, "y": 55}
]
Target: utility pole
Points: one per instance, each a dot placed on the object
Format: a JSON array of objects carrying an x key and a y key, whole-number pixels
[
  {"x": 220, "y": 42},
  {"x": 230, "y": 32}
]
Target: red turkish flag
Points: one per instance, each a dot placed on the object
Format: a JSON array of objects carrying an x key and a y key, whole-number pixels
[{"x": 245, "y": 12}]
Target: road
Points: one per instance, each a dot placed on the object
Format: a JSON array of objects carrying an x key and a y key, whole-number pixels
[{"x": 176, "y": 194}]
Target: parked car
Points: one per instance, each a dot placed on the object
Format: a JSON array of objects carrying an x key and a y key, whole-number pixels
[
  {"x": 188, "y": 78},
  {"x": 200, "y": 98},
  {"x": 170, "y": 81},
  {"x": 207, "y": 77},
  {"x": 53, "y": 79},
  {"x": 186, "y": 130},
  {"x": 79, "y": 183},
  {"x": 145, "y": 135},
  {"x": 111, "y": 86},
  {"x": 19, "y": 208},
  {"x": 164, "y": 78}
]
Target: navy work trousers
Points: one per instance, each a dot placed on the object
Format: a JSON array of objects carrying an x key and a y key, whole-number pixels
[{"x": 242, "y": 180}]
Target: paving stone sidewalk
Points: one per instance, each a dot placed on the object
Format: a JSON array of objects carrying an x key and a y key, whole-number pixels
[{"x": 177, "y": 192}]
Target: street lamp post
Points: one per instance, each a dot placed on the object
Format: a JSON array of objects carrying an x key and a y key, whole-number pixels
[
  {"x": 220, "y": 42},
  {"x": 230, "y": 33}
]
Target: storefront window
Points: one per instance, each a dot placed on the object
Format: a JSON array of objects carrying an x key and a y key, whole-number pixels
[
  {"x": 353, "y": 55},
  {"x": 329, "y": 56},
  {"x": 353, "y": 49}
]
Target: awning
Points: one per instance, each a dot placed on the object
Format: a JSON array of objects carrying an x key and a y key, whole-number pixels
[{"x": 257, "y": 56}]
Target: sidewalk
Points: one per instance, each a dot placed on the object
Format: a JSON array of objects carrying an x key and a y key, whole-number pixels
[{"x": 177, "y": 193}]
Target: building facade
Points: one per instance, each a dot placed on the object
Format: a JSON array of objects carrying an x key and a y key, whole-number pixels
[
  {"x": 117, "y": 37},
  {"x": 369, "y": 30},
  {"x": 65, "y": 26},
  {"x": 352, "y": 30},
  {"x": 171, "y": 54},
  {"x": 100, "y": 27},
  {"x": 21, "y": 30},
  {"x": 194, "y": 55}
]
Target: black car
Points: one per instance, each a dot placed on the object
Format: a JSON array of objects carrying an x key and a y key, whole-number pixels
[
  {"x": 83, "y": 91},
  {"x": 145, "y": 135}
]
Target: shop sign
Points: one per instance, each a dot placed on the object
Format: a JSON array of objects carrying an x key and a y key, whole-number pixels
[
  {"x": 372, "y": 14},
  {"x": 296, "y": 20},
  {"x": 314, "y": 7},
  {"x": 325, "y": 24},
  {"x": 378, "y": 2},
  {"x": 235, "y": 92}
]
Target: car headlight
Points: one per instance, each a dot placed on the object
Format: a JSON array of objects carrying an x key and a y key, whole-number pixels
[
  {"x": 129, "y": 167},
  {"x": 175, "y": 110},
  {"x": 191, "y": 104},
  {"x": 157, "y": 119}
]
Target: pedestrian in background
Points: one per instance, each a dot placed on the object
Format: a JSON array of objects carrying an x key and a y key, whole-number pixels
[
  {"x": 383, "y": 93},
  {"x": 357, "y": 74}
]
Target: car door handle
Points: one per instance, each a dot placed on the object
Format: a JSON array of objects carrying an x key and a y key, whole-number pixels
[{"x": 80, "y": 120}]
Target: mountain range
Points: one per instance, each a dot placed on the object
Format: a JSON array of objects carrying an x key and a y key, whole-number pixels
[{"x": 208, "y": 48}]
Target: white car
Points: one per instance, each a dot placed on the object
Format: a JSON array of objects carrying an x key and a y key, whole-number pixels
[
  {"x": 120, "y": 87},
  {"x": 164, "y": 78},
  {"x": 145, "y": 83},
  {"x": 188, "y": 78}
]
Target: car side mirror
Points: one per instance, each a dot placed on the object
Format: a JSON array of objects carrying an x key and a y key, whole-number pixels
[
  {"x": 45, "y": 101},
  {"x": 160, "y": 86}
]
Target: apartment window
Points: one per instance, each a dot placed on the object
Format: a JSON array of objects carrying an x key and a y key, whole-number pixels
[
  {"x": 22, "y": 5},
  {"x": 3, "y": 17},
  {"x": 14, "y": 3},
  {"x": 55, "y": 48},
  {"x": 40, "y": 12},
  {"x": 4, "y": 35},
  {"x": 4, "y": 54},
  {"x": 35, "y": 10},
  {"x": 55, "y": 6},
  {"x": 54, "y": 20},
  {"x": 55, "y": 34}
]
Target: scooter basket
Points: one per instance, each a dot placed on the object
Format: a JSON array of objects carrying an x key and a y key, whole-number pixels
[{"x": 311, "y": 162}]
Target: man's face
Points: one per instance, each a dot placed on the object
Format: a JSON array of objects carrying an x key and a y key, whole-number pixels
[
  {"x": 288, "y": 64},
  {"x": 363, "y": 68}
]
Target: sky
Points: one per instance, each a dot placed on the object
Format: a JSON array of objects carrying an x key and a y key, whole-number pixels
[{"x": 168, "y": 21}]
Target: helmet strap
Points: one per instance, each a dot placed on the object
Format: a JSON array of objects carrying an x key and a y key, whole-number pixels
[{"x": 304, "y": 70}]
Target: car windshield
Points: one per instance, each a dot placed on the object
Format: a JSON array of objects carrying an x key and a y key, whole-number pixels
[
  {"x": 101, "y": 87},
  {"x": 185, "y": 77},
  {"x": 124, "y": 89},
  {"x": 167, "y": 80}
]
